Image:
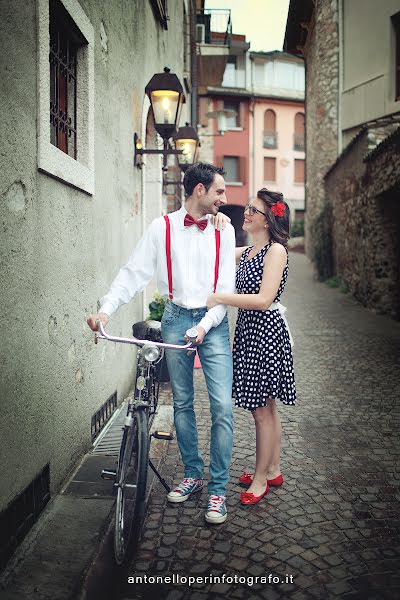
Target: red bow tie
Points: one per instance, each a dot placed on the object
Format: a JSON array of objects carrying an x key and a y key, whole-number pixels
[{"x": 189, "y": 220}]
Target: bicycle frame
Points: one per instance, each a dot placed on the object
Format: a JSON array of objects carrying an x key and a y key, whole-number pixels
[{"x": 130, "y": 476}]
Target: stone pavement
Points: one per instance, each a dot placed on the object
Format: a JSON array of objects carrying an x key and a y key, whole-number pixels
[{"x": 333, "y": 528}]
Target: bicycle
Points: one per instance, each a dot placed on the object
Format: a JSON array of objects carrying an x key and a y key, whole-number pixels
[{"x": 130, "y": 476}]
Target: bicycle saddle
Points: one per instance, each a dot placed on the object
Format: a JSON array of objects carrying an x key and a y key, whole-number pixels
[{"x": 147, "y": 330}]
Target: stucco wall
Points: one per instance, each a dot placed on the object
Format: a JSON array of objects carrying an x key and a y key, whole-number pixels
[
  {"x": 60, "y": 247},
  {"x": 234, "y": 143},
  {"x": 284, "y": 154},
  {"x": 368, "y": 68}
]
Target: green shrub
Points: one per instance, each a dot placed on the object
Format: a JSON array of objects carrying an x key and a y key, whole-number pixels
[
  {"x": 321, "y": 243},
  {"x": 156, "y": 307},
  {"x": 333, "y": 282},
  {"x": 297, "y": 229}
]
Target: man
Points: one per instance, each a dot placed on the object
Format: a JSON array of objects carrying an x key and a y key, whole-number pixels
[{"x": 190, "y": 261}]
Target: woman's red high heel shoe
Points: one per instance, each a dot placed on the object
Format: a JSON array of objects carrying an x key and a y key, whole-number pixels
[
  {"x": 276, "y": 482},
  {"x": 250, "y": 498},
  {"x": 247, "y": 479}
]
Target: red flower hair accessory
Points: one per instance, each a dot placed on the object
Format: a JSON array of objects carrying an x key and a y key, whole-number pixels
[{"x": 278, "y": 209}]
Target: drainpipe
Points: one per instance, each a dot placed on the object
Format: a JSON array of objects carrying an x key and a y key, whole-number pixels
[
  {"x": 340, "y": 77},
  {"x": 193, "y": 66},
  {"x": 252, "y": 113}
]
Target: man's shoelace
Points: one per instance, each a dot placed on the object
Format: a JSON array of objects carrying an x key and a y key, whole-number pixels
[
  {"x": 185, "y": 484},
  {"x": 215, "y": 503}
]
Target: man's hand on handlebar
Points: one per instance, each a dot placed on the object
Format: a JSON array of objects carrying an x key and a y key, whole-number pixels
[
  {"x": 91, "y": 321},
  {"x": 201, "y": 335}
]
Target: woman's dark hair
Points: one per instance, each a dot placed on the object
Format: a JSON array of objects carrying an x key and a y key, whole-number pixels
[
  {"x": 200, "y": 173},
  {"x": 278, "y": 226}
]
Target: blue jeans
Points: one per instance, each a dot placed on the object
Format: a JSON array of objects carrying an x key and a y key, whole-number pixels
[{"x": 216, "y": 360}]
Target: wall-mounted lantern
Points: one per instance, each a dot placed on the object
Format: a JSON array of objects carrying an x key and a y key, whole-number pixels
[
  {"x": 186, "y": 140},
  {"x": 166, "y": 97}
]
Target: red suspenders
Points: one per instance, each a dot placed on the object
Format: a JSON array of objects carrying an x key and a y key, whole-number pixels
[{"x": 168, "y": 255}]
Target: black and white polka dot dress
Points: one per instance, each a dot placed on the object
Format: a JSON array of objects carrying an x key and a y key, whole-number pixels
[{"x": 262, "y": 355}]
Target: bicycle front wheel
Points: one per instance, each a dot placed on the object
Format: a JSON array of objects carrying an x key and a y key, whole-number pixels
[{"x": 130, "y": 506}]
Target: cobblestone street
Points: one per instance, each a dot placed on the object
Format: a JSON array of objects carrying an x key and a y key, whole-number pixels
[{"x": 334, "y": 525}]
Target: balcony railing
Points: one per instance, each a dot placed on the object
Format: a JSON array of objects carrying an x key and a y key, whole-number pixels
[
  {"x": 270, "y": 139},
  {"x": 214, "y": 26},
  {"x": 298, "y": 142}
]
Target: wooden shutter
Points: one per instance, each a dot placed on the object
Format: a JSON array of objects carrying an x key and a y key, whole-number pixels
[
  {"x": 242, "y": 169},
  {"x": 269, "y": 169},
  {"x": 298, "y": 171},
  {"x": 269, "y": 121},
  {"x": 242, "y": 115},
  {"x": 203, "y": 109},
  {"x": 299, "y": 124}
]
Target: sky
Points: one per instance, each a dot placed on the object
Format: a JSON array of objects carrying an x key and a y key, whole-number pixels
[{"x": 262, "y": 21}]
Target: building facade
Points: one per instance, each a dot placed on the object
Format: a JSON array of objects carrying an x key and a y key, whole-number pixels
[
  {"x": 223, "y": 116},
  {"x": 73, "y": 207},
  {"x": 277, "y": 141},
  {"x": 252, "y": 124},
  {"x": 352, "y": 107}
]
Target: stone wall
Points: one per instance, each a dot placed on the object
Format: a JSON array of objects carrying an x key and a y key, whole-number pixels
[
  {"x": 363, "y": 189},
  {"x": 321, "y": 55}
]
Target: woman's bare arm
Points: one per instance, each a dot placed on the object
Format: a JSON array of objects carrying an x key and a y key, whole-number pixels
[{"x": 274, "y": 264}]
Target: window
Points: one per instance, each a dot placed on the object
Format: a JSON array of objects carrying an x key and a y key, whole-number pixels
[
  {"x": 160, "y": 12},
  {"x": 396, "y": 26},
  {"x": 233, "y": 120},
  {"x": 270, "y": 138},
  {"x": 298, "y": 171},
  {"x": 231, "y": 166},
  {"x": 269, "y": 169},
  {"x": 65, "y": 39},
  {"x": 229, "y": 79},
  {"x": 298, "y": 138},
  {"x": 65, "y": 113},
  {"x": 259, "y": 74}
]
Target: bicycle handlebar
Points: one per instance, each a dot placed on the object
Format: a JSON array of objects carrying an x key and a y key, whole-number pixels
[{"x": 135, "y": 341}]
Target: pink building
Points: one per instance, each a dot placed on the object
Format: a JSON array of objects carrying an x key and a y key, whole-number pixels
[
  {"x": 277, "y": 127},
  {"x": 251, "y": 122}
]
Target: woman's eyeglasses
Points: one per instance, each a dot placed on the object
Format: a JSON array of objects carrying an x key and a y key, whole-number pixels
[{"x": 252, "y": 210}]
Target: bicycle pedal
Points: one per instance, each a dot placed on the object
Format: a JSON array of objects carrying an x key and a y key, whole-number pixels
[
  {"x": 162, "y": 435},
  {"x": 108, "y": 474}
]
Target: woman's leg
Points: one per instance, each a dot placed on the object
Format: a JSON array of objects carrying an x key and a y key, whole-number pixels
[{"x": 268, "y": 446}]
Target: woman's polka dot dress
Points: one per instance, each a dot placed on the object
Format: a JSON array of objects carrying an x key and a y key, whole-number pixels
[{"x": 262, "y": 355}]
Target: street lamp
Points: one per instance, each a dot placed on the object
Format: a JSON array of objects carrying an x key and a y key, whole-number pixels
[
  {"x": 186, "y": 140},
  {"x": 166, "y": 97}
]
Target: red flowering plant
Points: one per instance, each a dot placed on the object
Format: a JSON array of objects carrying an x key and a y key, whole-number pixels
[{"x": 278, "y": 209}]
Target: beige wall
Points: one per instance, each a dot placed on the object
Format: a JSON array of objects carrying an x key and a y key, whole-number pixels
[
  {"x": 368, "y": 67},
  {"x": 284, "y": 154},
  {"x": 60, "y": 247}
]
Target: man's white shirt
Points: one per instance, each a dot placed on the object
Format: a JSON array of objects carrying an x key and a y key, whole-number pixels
[{"x": 193, "y": 254}]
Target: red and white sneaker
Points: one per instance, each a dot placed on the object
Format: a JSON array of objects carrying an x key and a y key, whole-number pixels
[
  {"x": 185, "y": 489},
  {"x": 216, "y": 510}
]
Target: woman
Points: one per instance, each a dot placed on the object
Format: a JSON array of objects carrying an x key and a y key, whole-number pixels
[{"x": 262, "y": 354}]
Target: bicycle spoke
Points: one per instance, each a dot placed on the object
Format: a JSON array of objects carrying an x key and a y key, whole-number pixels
[{"x": 131, "y": 486}]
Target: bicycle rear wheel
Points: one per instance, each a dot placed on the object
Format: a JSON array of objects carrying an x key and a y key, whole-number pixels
[{"x": 132, "y": 481}]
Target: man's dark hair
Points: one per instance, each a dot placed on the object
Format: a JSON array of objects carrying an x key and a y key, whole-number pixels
[{"x": 200, "y": 173}]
